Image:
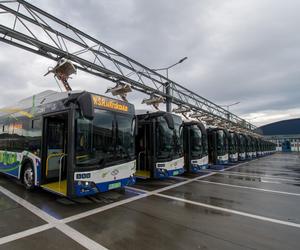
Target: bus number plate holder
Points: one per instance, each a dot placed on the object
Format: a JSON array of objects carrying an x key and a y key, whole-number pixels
[
  {"x": 175, "y": 172},
  {"x": 114, "y": 185}
]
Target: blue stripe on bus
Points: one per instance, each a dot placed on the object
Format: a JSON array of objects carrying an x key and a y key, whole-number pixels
[
  {"x": 198, "y": 168},
  {"x": 11, "y": 169},
  {"x": 38, "y": 172},
  {"x": 222, "y": 162},
  {"x": 163, "y": 173}
]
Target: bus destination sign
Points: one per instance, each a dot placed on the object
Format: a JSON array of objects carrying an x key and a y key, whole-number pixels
[{"x": 103, "y": 102}]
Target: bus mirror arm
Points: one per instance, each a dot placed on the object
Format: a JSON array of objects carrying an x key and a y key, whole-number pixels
[
  {"x": 169, "y": 119},
  {"x": 135, "y": 126},
  {"x": 85, "y": 103}
]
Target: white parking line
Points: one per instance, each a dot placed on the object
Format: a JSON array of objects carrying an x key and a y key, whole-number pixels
[
  {"x": 72, "y": 233},
  {"x": 258, "y": 217},
  {"x": 262, "y": 174},
  {"x": 103, "y": 208},
  {"x": 79, "y": 237},
  {"x": 40, "y": 213},
  {"x": 266, "y": 181},
  {"x": 213, "y": 170},
  {"x": 179, "y": 178},
  {"x": 145, "y": 194},
  {"x": 251, "y": 188},
  {"x": 125, "y": 201},
  {"x": 259, "y": 176},
  {"x": 25, "y": 233},
  {"x": 52, "y": 222},
  {"x": 271, "y": 169}
]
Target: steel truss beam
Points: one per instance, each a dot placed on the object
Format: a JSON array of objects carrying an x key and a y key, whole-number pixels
[{"x": 30, "y": 28}]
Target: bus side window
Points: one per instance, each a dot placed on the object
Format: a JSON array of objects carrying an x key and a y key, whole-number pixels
[
  {"x": 4, "y": 134},
  {"x": 33, "y": 136},
  {"x": 2, "y": 138},
  {"x": 15, "y": 131}
]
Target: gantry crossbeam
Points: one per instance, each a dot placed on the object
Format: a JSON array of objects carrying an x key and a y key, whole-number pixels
[{"x": 28, "y": 27}]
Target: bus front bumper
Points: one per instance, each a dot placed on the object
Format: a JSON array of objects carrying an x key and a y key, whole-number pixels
[
  {"x": 164, "y": 173},
  {"x": 233, "y": 157},
  {"x": 242, "y": 156},
  {"x": 83, "y": 188},
  {"x": 169, "y": 168},
  {"x": 223, "y": 160},
  {"x": 196, "y": 165}
]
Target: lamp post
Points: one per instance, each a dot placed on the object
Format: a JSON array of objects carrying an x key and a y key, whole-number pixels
[
  {"x": 227, "y": 106},
  {"x": 253, "y": 118},
  {"x": 171, "y": 66},
  {"x": 168, "y": 89}
]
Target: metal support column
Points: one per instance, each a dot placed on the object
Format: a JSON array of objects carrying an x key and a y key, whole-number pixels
[{"x": 168, "y": 99}]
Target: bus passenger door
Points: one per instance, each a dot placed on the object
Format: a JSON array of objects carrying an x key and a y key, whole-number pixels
[
  {"x": 142, "y": 145},
  {"x": 54, "y": 170}
]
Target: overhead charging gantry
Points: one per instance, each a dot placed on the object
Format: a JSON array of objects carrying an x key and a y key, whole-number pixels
[{"x": 30, "y": 28}]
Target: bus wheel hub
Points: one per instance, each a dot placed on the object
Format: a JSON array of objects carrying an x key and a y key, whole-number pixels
[{"x": 28, "y": 177}]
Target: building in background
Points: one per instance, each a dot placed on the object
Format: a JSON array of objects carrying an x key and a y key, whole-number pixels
[{"x": 286, "y": 134}]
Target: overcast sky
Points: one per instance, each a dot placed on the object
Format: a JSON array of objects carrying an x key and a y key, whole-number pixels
[{"x": 238, "y": 51}]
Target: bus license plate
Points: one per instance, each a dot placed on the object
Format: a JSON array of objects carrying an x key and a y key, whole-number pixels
[
  {"x": 175, "y": 172},
  {"x": 114, "y": 185}
]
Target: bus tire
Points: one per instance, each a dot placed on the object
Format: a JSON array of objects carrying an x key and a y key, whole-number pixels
[{"x": 28, "y": 176}]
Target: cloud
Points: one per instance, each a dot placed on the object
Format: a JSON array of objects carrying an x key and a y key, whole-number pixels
[{"x": 243, "y": 51}]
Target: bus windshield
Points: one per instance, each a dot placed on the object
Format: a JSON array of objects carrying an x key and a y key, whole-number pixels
[
  {"x": 204, "y": 144},
  {"x": 196, "y": 141},
  {"x": 248, "y": 144},
  {"x": 107, "y": 139},
  {"x": 220, "y": 138},
  {"x": 232, "y": 142},
  {"x": 221, "y": 142},
  {"x": 241, "y": 144},
  {"x": 165, "y": 142},
  {"x": 178, "y": 136}
]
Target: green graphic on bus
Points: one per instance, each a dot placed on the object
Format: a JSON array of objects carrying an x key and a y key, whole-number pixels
[{"x": 8, "y": 158}]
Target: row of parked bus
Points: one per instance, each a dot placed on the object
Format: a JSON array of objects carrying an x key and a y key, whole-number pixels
[
  {"x": 80, "y": 143},
  {"x": 167, "y": 146},
  {"x": 230, "y": 147}
]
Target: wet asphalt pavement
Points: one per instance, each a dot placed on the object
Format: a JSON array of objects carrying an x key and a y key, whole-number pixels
[{"x": 253, "y": 205}]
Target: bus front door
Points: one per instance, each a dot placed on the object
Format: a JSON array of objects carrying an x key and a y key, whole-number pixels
[
  {"x": 143, "y": 166},
  {"x": 54, "y": 171}
]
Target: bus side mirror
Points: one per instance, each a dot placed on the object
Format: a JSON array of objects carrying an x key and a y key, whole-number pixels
[
  {"x": 180, "y": 129},
  {"x": 134, "y": 126},
  {"x": 86, "y": 105},
  {"x": 169, "y": 119}
]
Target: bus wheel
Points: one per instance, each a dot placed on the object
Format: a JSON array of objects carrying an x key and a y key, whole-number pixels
[{"x": 28, "y": 176}]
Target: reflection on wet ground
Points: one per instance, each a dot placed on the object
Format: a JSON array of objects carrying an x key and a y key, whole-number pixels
[
  {"x": 158, "y": 223},
  {"x": 61, "y": 207},
  {"x": 286, "y": 185},
  {"x": 178, "y": 221},
  {"x": 277, "y": 206},
  {"x": 150, "y": 185},
  {"x": 279, "y": 165},
  {"x": 15, "y": 218}
]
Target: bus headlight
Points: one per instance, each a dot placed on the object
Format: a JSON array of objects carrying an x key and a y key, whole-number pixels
[{"x": 85, "y": 184}]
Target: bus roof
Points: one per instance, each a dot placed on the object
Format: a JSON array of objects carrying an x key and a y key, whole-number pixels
[
  {"x": 153, "y": 113},
  {"x": 51, "y": 96}
]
